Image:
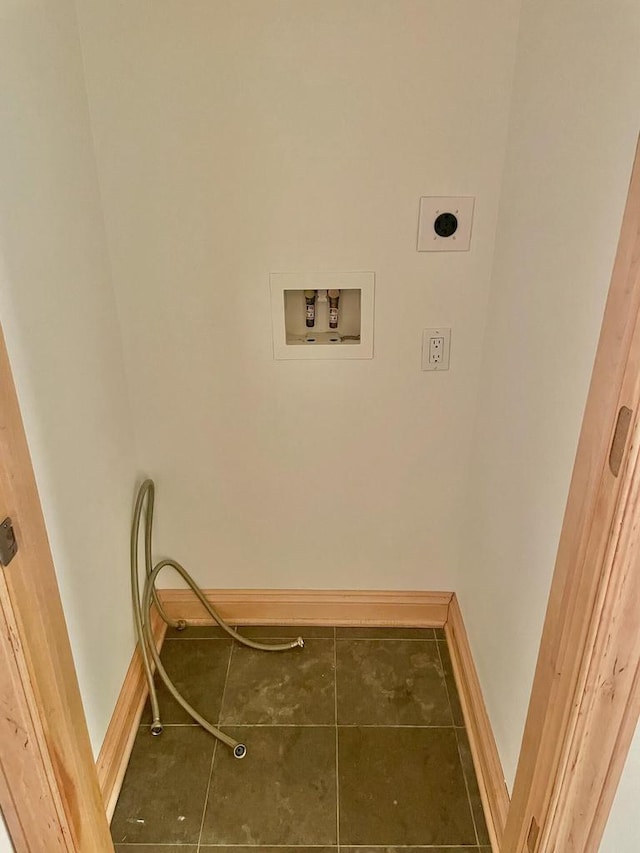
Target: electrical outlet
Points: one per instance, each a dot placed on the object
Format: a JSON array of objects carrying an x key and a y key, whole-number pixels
[
  {"x": 436, "y": 346},
  {"x": 444, "y": 224}
]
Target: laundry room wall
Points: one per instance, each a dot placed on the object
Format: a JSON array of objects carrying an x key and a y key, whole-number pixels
[
  {"x": 58, "y": 313},
  {"x": 5, "y": 842},
  {"x": 573, "y": 132},
  {"x": 238, "y": 139},
  {"x": 622, "y": 833}
]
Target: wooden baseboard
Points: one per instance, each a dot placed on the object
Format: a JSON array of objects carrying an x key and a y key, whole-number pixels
[
  {"x": 311, "y": 607},
  {"x": 488, "y": 767},
  {"x": 118, "y": 742}
]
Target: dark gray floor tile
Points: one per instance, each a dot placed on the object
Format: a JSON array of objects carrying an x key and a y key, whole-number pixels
[
  {"x": 452, "y": 688},
  {"x": 472, "y": 783},
  {"x": 440, "y": 634},
  {"x": 391, "y": 682},
  {"x": 283, "y": 792},
  {"x": 164, "y": 788},
  {"x": 273, "y": 632},
  {"x": 366, "y": 632},
  {"x": 199, "y": 669},
  {"x": 198, "y": 632},
  {"x": 254, "y": 849},
  {"x": 156, "y": 848},
  {"x": 402, "y": 786},
  {"x": 294, "y": 687},
  {"x": 417, "y": 849}
]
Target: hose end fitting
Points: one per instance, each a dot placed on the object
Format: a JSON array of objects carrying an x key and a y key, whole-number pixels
[
  {"x": 239, "y": 750},
  {"x": 156, "y": 728},
  {"x": 300, "y": 642}
]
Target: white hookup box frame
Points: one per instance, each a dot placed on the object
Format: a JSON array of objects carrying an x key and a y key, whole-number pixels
[{"x": 291, "y": 340}]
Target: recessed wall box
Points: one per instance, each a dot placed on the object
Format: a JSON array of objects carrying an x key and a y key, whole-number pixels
[
  {"x": 444, "y": 223},
  {"x": 342, "y": 315}
]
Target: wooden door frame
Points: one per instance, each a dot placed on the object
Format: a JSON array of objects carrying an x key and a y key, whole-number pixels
[
  {"x": 49, "y": 791},
  {"x": 586, "y": 695},
  {"x": 586, "y": 692}
]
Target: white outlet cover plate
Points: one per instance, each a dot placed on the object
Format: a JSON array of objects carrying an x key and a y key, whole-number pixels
[
  {"x": 430, "y": 208},
  {"x": 427, "y": 335}
]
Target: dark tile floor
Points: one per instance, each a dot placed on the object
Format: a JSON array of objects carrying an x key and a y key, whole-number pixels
[{"x": 355, "y": 743}]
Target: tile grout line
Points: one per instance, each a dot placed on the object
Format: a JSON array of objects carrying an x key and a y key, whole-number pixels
[
  {"x": 464, "y": 775},
  {"x": 226, "y": 682},
  {"x": 446, "y": 687},
  {"x": 466, "y": 785},
  {"x": 311, "y": 726},
  {"x": 386, "y": 639},
  {"x": 206, "y": 795},
  {"x": 335, "y": 702},
  {"x": 339, "y": 639},
  {"x": 215, "y": 747}
]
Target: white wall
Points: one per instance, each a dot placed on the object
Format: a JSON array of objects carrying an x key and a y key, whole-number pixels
[
  {"x": 238, "y": 138},
  {"x": 622, "y": 834},
  {"x": 573, "y": 130},
  {"x": 5, "y": 842},
  {"x": 59, "y": 317}
]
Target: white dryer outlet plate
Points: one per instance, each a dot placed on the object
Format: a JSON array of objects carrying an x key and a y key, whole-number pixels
[{"x": 444, "y": 223}]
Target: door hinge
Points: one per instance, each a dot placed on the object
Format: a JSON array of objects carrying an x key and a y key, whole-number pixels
[{"x": 8, "y": 542}]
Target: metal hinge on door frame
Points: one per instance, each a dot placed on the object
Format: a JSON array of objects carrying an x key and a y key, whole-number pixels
[{"x": 8, "y": 542}]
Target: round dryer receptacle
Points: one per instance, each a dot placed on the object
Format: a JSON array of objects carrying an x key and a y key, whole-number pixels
[{"x": 446, "y": 224}]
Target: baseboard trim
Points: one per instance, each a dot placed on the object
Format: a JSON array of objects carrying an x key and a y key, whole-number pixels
[
  {"x": 118, "y": 742},
  {"x": 311, "y": 607},
  {"x": 486, "y": 760}
]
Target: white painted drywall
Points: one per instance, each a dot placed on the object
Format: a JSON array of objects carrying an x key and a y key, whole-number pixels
[
  {"x": 59, "y": 317},
  {"x": 573, "y": 130},
  {"x": 5, "y": 842},
  {"x": 622, "y": 834},
  {"x": 234, "y": 139}
]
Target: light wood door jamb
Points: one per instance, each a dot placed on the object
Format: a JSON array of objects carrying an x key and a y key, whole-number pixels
[{"x": 586, "y": 695}]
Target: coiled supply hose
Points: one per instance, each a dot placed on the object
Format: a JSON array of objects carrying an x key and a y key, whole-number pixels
[{"x": 142, "y": 619}]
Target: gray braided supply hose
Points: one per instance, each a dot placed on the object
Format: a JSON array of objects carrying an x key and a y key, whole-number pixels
[{"x": 142, "y": 620}]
